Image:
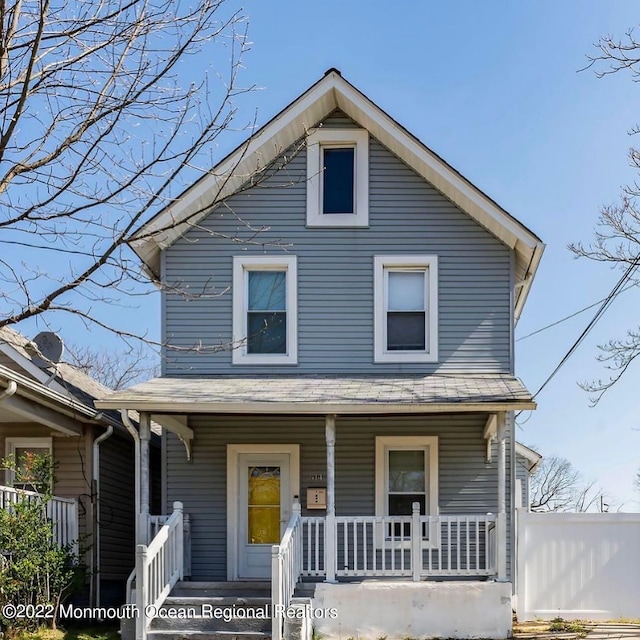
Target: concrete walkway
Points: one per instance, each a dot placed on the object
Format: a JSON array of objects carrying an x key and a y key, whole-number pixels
[{"x": 608, "y": 631}]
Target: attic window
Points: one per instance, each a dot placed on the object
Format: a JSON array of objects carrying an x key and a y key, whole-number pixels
[{"x": 338, "y": 178}]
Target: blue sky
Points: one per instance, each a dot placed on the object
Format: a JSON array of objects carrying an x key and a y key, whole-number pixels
[{"x": 494, "y": 88}]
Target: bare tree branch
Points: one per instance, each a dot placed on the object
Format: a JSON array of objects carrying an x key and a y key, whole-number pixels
[
  {"x": 617, "y": 234},
  {"x": 558, "y": 486}
]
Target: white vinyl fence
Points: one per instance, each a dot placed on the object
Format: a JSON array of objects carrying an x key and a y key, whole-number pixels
[{"x": 578, "y": 565}]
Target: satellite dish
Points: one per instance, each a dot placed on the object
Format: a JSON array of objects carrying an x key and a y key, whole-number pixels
[{"x": 50, "y": 349}]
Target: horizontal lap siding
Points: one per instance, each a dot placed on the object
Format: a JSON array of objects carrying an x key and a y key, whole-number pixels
[
  {"x": 467, "y": 483},
  {"x": 117, "y": 495},
  {"x": 335, "y": 275}
]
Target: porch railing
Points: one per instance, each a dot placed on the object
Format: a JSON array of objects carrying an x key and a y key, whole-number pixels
[
  {"x": 286, "y": 570},
  {"x": 61, "y": 512},
  {"x": 415, "y": 547},
  {"x": 158, "y": 567}
]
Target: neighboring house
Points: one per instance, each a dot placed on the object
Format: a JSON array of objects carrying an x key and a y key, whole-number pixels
[
  {"x": 527, "y": 462},
  {"x": 52, "y": 410},
  {"x": 328, "y": 410}
]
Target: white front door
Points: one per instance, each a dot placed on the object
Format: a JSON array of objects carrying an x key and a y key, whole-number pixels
[{"x": 264, "y": 508}]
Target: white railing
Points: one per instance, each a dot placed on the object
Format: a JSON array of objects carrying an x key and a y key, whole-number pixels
[
  {"x": 373, "y": 546},
  {"x": 286, "y": 569},
  {"x": 313, "y": 561},
  {"x": 158, "y": 567},
  {"x": 155, "y": 524},
  {"x": 62, "y": 512},
  {"x": 464, "y": 546}
]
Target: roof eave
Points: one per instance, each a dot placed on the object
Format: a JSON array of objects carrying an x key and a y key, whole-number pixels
[{"x": 312, "y": 408}]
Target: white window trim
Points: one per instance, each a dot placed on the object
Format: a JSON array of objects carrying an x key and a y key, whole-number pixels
[
  {"x": 233, "y": 490},
  {"x": 11, "y": 444},
  {"x": 359, "y": 138},
  {"x": 430, "y": 265},
  {"x": 241, "y": 266},
  {"x": 386, "y": 443}
]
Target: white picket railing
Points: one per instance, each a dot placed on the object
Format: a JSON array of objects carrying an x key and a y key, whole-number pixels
[
  {"x": 158, "y": 567},
  {"x": 62, "y": 512},
  {"x": 374, "y": 546},
  {"x": 313, "y": 561},
  {"x": 286, "y": 570}
]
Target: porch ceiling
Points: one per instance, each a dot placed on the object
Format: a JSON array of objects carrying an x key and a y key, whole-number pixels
[{"x": 325, "y": 394}]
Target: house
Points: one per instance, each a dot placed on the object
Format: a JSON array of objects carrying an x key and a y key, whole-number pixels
[
  {"x": 50, "y": 408},
  {"x": 329, "y": 400}
]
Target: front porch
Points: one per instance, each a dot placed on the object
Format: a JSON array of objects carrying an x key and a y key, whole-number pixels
[{"x": 410, "y": 488}]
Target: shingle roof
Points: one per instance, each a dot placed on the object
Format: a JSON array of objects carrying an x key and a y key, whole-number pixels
[{"x": 353, "y": 393}]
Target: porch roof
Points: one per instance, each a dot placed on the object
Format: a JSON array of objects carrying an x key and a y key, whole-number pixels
[{"x": 323, "y": 394}]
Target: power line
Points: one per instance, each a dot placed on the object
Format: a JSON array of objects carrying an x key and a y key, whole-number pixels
[
  {"x": 573, "y": 315},
  {"x": 606, "y": 303}
]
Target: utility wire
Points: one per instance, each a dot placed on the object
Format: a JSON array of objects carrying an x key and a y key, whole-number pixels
[
  {"x": 606, "y": 303},
  {"x": 573, "y": 315}
]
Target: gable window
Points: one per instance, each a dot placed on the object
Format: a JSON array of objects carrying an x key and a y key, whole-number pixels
[
  {"x": 264, "y": 310},
  {"x": 338, "y": 178},
  {"x": 406, "y": 472},
  {"x": 22, "y": 449},
  {"x": 406, "y": 308}
]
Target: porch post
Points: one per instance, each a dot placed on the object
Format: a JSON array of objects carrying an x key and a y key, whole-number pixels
[
  {"x": 501, "y": 524},
  {"x": 145, "y": 472},
  {"x": 330, "y": 520}
]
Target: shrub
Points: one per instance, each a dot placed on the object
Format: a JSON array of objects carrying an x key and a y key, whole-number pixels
[{"x": 35, "y": 569}]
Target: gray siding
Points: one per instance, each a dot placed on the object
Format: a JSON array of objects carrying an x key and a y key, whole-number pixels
[
  {"x": 522, "y": 474},
  {"x": 335, "y": 275},
  {"x": 467, "y": 483},
  {"x": 72, "y": 468},
  {"x": 117, "y": 507}
]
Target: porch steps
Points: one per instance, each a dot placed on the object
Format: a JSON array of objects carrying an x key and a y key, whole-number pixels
[{"x": 215, "y": 611}]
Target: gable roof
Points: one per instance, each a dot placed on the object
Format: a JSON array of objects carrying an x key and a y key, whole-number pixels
[
  {"x": 333, "y": 92},
  {"x": 530, "y": 455}
]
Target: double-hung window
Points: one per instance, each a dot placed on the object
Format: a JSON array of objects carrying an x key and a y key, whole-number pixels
[
  {"x": 338, "y": 178},
  {"x": 406, "y": 473},
  {"x": 264, "y": 310},
  {"x": 406, "y": 308},
  {"x": 23, "y": 450}
]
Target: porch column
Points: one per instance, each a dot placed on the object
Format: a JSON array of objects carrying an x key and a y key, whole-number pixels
[
  {"x": 145, "y": 483},
  {"x": 501, "y": 524},
  {"x": 330, "y": 520}
]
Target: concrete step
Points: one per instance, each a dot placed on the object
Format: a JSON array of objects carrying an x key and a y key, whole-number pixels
[
  {"x": 222, "y": 589},
  {"x": 216, "y": 601},
  {"x": 199, "y": 635},
  {"x": 234, "y": 623}
]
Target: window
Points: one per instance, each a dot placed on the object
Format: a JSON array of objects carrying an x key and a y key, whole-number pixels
[
  {"x": 406, "y": 472},
  {"x": 264, "y": 310},
  {"x": 338, "y": 178},
  {"x": 406, "y": 309},
  {"x": 21, "y": 448}
]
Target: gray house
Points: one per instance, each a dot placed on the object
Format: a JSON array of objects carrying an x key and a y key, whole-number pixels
[
  {"x": 331, "y": 394},
  {"x": 49, "y": 408}
]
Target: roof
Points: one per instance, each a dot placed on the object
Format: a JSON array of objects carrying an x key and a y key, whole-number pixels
[
  {"x": 64, "y": 378},
  {"x": 530, "y": 455},
  {"x": 333, "y": 92},
  {"x": 65, "y": 388},
  {"x": 356, "y": 394}
]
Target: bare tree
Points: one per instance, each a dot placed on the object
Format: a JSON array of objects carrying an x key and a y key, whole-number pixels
[
  {"x": 114, "y": 369},
  {"x": 105, "y": 116},
  {"x": 617, "y": 236},
  {"x": 558, "y": 486}
]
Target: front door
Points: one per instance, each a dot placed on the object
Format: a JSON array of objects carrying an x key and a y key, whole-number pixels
[{"x": 264, "y": 509}]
